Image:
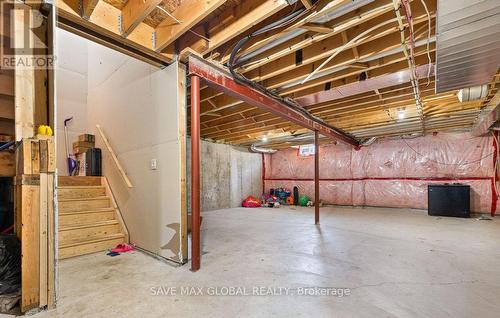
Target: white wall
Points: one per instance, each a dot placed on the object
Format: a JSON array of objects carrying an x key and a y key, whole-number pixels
[
  {"x": 137, "y": 106},
  {"x": 72, "y": 55}
]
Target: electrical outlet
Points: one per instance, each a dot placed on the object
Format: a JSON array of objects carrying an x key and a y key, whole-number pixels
[{"x": 154, "y": 164}]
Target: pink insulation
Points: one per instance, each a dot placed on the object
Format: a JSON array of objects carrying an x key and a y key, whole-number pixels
[{"x": 392, "y": 173}]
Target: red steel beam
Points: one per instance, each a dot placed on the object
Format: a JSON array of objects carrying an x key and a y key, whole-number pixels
[
  {"x": 195, "y": 173},
  {"x": 316, "y": 177},
  {"x": 221, "y": 80}
]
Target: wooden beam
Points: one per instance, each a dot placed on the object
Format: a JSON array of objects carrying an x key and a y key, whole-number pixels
[
  {"x": 7, "y": 84},
  {"x": 28, "y": 211},
  {"x": 134, "y": 12},
  {"x": 74, "y": 5},
  {"x": 7, "y": 164},
  {"x": 316, "y": 27},
  {"x": 43, "y": 260},
  {"x": 220, "y": 79},
  {"x": 359, "y": 65},
  {"x": 189, "y": 13},
  {"x": 24, "y": 85},
  {"x": 343, "y": 59},
  {"x": 51, "y": 255},
  {"x": 347, "y": 106},
  {"x": 245, "y": 18},
  {"x": 322, "y": 8},
  {"x": 88, "y": 7},
  {"x": 307, "y": 3},
  {"x": 101, "y": 35},
  {"x": 7, "y": 107},
  {"x": 386, "y": 80}
]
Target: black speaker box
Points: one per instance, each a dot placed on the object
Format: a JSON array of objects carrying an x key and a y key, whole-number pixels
[
  {"x": 93, "y": 162},
  {"x": 449, "y": 200}
]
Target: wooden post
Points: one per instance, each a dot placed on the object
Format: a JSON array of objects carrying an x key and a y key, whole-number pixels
[
  {"x": 29, "y": 207},
  {"x": 51, "y": 248},
  {"x": 195, "y": 173},
  {"x": 25, "y": 90},
  {"x": 316, "y": 177},
  {"x": 43, "y": 238}
]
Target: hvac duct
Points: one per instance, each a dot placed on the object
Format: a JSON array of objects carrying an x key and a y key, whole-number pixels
[
  {"x": 255, "y": 149},
  {"x": 472, "y": 93},
  {"x": 468, "y": 40}
]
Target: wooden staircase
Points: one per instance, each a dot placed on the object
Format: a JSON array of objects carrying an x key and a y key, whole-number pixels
[{"x": 89, "y": 219}]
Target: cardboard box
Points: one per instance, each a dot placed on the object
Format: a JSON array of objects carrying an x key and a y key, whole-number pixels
[
  {"x": 86, "y": 138},
  {"x": 82, "y": 146},
  {"x": 85, "y": 144},
  {"x": 80, "y": 150}
]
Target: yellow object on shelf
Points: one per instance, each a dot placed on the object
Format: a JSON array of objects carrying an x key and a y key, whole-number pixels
[{"x": 45, "y": 130}]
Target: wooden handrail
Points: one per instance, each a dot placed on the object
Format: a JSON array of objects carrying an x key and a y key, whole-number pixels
[{"x": 115, "y": 158}]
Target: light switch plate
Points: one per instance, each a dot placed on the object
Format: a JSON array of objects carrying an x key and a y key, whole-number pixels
[{"x": 154, "y": 164}]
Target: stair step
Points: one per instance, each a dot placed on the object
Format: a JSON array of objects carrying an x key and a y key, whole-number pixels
[
  {"x": 78, "y": 181},
  {"x": 85, "y": 217},
  {"x": 87, "y": 231},
  {"x": 82, "y": 204},
  {"x": 96, "y": 244},
  {"x": 79, "y": 192}
]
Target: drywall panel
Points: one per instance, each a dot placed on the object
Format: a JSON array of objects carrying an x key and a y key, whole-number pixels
[
  {"x": 137, "y": 108},
  {"x": 71, "y": 83}
]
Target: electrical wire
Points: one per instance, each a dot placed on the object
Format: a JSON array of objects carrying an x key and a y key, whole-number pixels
[
  {"x": 343, "y": 47},
  {"x": 428, "y": 41},
  {"x": 445, "y": 163},
  {"x": 409, "y": 57},
  {"x": 233, "y": 63}
]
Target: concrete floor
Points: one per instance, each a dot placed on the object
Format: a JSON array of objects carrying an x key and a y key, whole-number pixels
[{"x": 395, "y": 263}]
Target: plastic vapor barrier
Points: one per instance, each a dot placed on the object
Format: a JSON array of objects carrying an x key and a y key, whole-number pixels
[{"x": 391, "y": 173}]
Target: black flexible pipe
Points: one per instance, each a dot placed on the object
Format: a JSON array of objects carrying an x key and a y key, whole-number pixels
[{"x": 233, "y": 63}]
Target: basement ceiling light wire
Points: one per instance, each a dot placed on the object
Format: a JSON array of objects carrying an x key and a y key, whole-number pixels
[
  {"x": 233, "y": 63},
  {"x": 445, "y": 163},
  {"x": 409, "y": 56},
  {"x": 428, "y": 41},
  {"x": 343, "y": 47},
  {"x": 169, "y": 14}
]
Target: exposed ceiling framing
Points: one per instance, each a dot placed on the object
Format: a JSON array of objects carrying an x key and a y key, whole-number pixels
[{"x": 364, "y": 36}]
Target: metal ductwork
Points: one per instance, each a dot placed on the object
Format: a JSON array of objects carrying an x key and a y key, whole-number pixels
[
  {"x": 255, "y": 149},
  {"x": 468, "y": 41},
  {"x": 487, "y": 119},
  {"x": 472, "y": 93}
]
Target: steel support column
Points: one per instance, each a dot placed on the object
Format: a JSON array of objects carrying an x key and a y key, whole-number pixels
[
  {"x": 316, "y": 177},
  {"x": 195, "y": 173}
]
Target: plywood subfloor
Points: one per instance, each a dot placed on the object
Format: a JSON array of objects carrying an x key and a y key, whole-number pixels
[{"x": 396, "y": 263}]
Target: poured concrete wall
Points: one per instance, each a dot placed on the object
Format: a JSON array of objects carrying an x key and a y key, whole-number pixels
[{"x": 228, "y": 175}]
